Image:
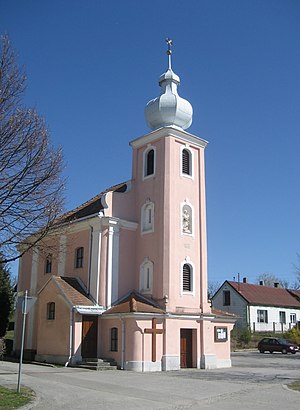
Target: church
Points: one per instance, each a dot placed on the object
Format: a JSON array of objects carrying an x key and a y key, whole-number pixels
[{"x": 124, "y": 276}]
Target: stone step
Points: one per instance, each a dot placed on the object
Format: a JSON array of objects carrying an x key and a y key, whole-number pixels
[{"x": 92, "y": 363}]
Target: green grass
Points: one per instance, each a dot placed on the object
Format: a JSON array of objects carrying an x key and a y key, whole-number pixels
[
  {"x": 10, "y": 399},
  {"x": 294, "y": 385}
]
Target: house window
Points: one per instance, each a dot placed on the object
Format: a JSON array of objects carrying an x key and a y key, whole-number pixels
[
  {"x": 262, "y": 316},
  {"x": 293, "y": 317},
  {"x": 147, "y": 217},
  {"x": 48, "y": 264},
  {"x": 79, "y": 257},
  {"x": 282, "y": 317},
  {"x": 149, "y": 162},
  {"x": 187, "y": 285},
  {"x": 51, "y": 311},
  {"x": 226, "y": 297},
  {"x": 114, "y": 339},
  {"x": 146, "y": 276}
]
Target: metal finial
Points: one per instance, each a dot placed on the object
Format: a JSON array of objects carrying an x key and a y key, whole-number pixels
[
  {"x": 170, "y": 43},
  {"x": 169, "y": 51}
]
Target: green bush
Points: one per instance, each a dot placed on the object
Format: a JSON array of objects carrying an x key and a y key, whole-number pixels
[{"x": 293, "y": 336}]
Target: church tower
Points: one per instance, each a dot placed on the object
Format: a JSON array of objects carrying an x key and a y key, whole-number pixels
[{"x": 168, "y": 170}]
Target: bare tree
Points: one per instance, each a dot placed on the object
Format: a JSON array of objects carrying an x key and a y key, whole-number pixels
[
  {"x": 31, "y": 187},
  {"x": 269, "y": 279},
  {"x": 212, "y": 288}
]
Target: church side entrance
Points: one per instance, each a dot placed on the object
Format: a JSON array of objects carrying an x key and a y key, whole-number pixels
[
  {"x": 186, "y": 348},
  {"x": 89, "y": 336}
]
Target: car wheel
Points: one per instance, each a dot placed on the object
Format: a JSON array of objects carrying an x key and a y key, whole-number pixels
[
  {"x": 261, "y": 351},
  {"x": 293, "y": 352},
  {"x": 284, "y": 351},
  {"x": 271, "y": 351}
]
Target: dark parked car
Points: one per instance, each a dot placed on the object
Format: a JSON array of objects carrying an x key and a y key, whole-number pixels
[{"x": 272, "y": 344}]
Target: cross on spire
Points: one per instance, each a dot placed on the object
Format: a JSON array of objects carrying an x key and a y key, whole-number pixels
[
  {"x": 169, "y": 51},
  {"x": 154, "y": 331}
]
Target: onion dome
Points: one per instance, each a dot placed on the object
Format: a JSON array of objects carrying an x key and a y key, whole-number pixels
[{"x": 169, "y": 109}]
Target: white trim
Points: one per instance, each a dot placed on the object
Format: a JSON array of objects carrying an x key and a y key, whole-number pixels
[
  {"x": 185, "y": 292},
  {"x": 62, "y": 255},
  {"x": 192, "y": 234},
  {"x": 115, "y": 264},
  {"x": 109, "y": 266},
  {"x": 168, "y": 131},
  {"x": 32, "y": 292},
  {"x": 191, "y": 163},
  {"x": 146, "y": 264},
  {"x": 145, "y": 153},
  {"x": 147, "y": 205},
  {"x": 95, "y": 261}
]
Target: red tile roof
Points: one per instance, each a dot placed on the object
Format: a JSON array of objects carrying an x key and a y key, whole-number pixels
[
  {"x": 135, "y": 302},
  {"x": 265, "y": 295},
  {"x": 73, "y": 291}
]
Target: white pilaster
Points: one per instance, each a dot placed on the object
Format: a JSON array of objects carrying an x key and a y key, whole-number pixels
[
  {"x": 95, "y": 261},
  {"x": 62, "y": 255},
  {"x": 32, "y": 292}
]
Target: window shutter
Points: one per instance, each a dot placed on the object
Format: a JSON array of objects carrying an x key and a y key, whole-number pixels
[
  {"x": 186, "y": 162},
  {"x": 186, "y": 278}
]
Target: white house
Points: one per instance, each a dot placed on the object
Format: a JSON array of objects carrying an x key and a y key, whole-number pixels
[{"x": 260, "y": 308}]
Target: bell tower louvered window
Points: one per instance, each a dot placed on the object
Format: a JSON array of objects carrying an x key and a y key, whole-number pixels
[
  {"x": 186, "y": 162},
  {"x": 187, "y": 278},
  {"x": 150, "y": 163}
]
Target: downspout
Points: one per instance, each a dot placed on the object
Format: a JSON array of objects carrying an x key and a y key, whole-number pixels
[
  {"x": 70, "y": 338},
  {"x": 122, "y": 343},
  {"x": 90, "y": 261}
]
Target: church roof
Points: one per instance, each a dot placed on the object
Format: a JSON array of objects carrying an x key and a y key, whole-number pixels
[
  {"x": 135, "y": 302},
  {"x": 92, "y": 206},
  {"x": 73, "y": 290},
  {"x": 265, "y": 295}
]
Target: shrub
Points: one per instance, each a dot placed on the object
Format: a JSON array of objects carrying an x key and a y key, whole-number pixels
[
  {"x": 2, "y": 348},
  {"x": 293, "y": 336}
]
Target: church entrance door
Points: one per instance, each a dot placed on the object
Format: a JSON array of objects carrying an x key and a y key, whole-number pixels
[
  {"x": 89, "y": 336},
  {"x": 186, "y": 348}
]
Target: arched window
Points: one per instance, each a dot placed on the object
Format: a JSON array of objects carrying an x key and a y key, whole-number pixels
[
  {"x": 51, "y": 311},
  {"x": 48, "y": 264},
  {"x": 146, "y": 276},
  {"x": 147, "y": 217},
  {"x": 114, "y": 339},
  {"x": 187, "y": 278},
  {"x": 186, "y": 162},
  {"x": 149, "y": 162},
  {"x": 79, "y": 257}
]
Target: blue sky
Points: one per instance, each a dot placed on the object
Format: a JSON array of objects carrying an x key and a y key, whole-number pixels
[{"x": 92, "y": 66}]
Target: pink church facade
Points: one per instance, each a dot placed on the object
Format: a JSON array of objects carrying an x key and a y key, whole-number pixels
[{"x": 125, "y": 275}]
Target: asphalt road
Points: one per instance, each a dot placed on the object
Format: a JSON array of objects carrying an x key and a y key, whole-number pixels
[{"x": 256, "y": 381}]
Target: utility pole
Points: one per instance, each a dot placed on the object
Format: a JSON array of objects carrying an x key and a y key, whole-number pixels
[{"x": 24, "y": 312}]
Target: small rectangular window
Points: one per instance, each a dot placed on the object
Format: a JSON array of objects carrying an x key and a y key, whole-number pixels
[
  {"x": 79, "y": 258},
  {"x": 51, "y": 311},
  {"x": 226, "y": 297},
  {"x": 293, "y": 317},
  {"x": 262, "y": 316},
  {"x": 114, "y": 339},
  {"x": 282, "y": 317},
  {"x": 186, "y": 278}
]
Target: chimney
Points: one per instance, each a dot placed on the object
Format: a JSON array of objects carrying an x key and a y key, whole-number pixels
[
  {"x": 261, "y": 283},
  {"x": 245, "y": 280},
  {"x": 276, "y": 284}
]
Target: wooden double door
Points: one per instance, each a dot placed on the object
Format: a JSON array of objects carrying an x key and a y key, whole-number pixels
[
  {"x": 186, "y": 348},
  {"x": 89, "y": 336}
]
